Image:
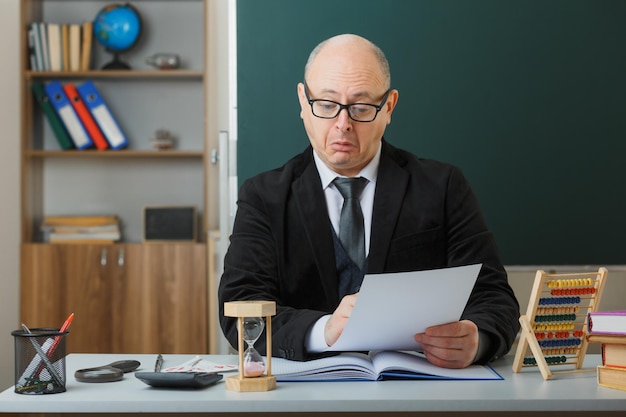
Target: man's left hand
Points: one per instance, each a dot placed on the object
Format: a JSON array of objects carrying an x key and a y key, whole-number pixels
[{"x": 452, "y": 345}]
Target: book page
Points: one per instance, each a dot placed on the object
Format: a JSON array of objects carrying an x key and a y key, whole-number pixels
[
  {"x": 360, "y": 366},
  {"x": 345, "y": 366},
  {"x": 391, "y": 363},
  {"x": 392, "y": 308}
]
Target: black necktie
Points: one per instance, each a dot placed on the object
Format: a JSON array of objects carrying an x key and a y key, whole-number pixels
[{"x": 351, "y": 229}]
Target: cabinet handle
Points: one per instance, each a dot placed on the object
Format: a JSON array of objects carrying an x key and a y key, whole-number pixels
[
  {"x": 103, "y": 257},
  {"x": 120, "y": 257}
]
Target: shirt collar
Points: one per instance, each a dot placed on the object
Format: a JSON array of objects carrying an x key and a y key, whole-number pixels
[{"x": 327, "y": 175}]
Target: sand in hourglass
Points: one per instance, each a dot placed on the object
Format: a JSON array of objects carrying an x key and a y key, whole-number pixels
[{"x": 253, "y": 365}]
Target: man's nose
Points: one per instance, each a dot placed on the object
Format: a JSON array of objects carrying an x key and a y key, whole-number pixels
[{"x": 343, "y": 119}]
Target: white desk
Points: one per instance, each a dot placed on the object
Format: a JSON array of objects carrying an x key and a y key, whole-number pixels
[{"x": 523, "y": 392}]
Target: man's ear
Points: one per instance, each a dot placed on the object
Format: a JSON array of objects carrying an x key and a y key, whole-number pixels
[
  {"x": 390, "y": 104},
  {"x": 302, "y": 99}
]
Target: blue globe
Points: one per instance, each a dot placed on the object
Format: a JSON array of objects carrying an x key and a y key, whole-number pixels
[{"x": 117, "y": 27}]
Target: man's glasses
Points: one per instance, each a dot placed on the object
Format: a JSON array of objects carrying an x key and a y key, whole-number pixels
[{"x": 359, "y": 112}]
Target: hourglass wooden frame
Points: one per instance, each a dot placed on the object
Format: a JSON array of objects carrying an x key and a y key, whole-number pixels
[
  {"x": 554, "y": 329},
  {"x": 242, "y": 309}
]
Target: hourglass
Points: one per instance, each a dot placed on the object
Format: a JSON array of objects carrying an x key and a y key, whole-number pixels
[
  {"x": 253, "y": 375},
  {"x": 253, "y": 364}
]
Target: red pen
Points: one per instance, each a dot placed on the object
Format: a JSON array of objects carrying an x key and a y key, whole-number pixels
[
  {"x": 56, "y": 342},
  {"x": 67, "y": 323}
]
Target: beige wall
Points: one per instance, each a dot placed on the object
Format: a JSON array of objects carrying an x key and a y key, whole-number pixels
[{"x": 9, "y": 184}]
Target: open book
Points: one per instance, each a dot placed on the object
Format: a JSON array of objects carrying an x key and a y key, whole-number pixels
[{"x": 375, "y": 366}]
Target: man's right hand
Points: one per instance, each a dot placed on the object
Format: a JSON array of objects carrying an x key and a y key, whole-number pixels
[{"x": 336, "y": 323}]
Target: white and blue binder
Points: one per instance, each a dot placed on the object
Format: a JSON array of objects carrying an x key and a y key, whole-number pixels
[
  {"x": 102, "y": 114},
  {"x": 62, "y": 105}
]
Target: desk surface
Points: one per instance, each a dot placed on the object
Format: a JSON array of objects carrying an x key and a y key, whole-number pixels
[{"x": 526, "y": 391}]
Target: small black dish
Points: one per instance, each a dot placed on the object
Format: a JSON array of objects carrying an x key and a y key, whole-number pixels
[{"x": 107, "y": 373}]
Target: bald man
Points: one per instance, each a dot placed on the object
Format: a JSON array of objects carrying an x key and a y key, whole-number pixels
[{"x": 417, "y": 214}]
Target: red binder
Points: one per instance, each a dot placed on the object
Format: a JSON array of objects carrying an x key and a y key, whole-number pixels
[{"x": 85, "y": 117}]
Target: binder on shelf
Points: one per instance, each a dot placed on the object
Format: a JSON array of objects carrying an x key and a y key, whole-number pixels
[
  {"x": 66, "y": 112},
  {"x": 102, "y": 114},
  {"x": 54, "y": 46},
  {"x": 43, "y": 35},
  {"x": 65, "y": 142},
  {"x": 85, "y": 53},
  {"x": 75, "y": 47},
  {"x": 85, "y": 117}
]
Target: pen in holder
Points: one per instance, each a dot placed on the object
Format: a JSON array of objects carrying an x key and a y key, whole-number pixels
[{"x": 39, "y": 361}]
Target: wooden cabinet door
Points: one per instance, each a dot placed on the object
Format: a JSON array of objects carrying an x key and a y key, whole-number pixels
[
  {"x": 59, "y": 279},
  {"x": 126, "y": 298},
  {"x": 160, "y": 302}
]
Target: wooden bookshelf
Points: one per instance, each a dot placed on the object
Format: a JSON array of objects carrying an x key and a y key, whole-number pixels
[{"x": 157, "y": 290}]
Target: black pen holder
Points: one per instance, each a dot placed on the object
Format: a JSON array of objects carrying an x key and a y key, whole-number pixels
[{"x": 39, "y": 361}]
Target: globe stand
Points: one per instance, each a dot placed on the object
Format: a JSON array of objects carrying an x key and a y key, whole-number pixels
[
  {"x": 243, "y": 310},
  {"x": 116, "y": 63}
]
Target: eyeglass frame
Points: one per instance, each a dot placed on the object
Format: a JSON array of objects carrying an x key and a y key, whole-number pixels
[{"x": 378, "y": 107}]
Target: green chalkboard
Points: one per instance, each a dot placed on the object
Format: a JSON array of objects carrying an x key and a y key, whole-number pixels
[{"x": 528, "y": 97}]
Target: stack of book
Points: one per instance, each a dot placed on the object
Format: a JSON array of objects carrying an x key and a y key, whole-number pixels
[
  {"x": 609, "y": 329},
  {"x": 60, "y": 46},
  {"x": 81, "y": 229}
]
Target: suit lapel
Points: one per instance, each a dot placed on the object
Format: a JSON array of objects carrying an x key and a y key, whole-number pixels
[
  {"x": 391, "y": 186},
  {"x": 311, "y": 203}
]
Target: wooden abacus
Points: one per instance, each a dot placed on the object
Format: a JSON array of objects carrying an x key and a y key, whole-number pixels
[{"x": 554, "y": 328}]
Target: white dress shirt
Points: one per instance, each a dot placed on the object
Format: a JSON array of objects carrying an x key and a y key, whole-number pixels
[{"x": 315, "y": 341}]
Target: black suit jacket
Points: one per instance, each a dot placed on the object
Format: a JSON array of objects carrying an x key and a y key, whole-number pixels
[{"x": 425, "y": 216}]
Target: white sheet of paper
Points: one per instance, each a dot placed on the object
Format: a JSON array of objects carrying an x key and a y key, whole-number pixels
[{"x": 392, "y": 308}]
